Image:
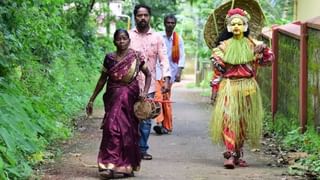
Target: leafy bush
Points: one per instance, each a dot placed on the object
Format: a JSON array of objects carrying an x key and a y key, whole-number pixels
[
  {"x": 49, "y": 58},
  {"x": 288, "y": 134}
]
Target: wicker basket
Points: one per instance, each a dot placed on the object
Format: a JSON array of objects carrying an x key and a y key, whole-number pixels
[
  {"x": 146, "y": 109},
  {"x": 216, "y": 20}
]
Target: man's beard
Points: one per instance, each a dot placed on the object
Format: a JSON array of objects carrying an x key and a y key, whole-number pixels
[
  {"x": 169, "y": 29},
  {"x": 142, "y": 24}
]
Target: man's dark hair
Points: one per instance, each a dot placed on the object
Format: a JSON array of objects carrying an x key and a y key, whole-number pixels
[
  {"x": 138, "y": 6},
  {"x": 170, "y": 16}
]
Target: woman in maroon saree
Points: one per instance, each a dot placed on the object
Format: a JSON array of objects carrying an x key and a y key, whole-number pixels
[{"x": 119, "y": 153}]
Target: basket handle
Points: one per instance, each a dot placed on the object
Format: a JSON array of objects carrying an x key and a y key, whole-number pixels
[
  {"x": 232, "y": 4},
  {"x": 214, "y": 17}
]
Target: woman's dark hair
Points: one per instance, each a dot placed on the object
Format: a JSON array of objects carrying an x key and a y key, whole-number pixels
[
  {"x": 118, "y": 31},
  {"x": 137, "y": 7},
  {"x": 224, "y": 35}
]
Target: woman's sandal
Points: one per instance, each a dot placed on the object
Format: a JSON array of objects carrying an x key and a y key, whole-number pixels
[
  {"x": 129, "y": 174},
  {"x": 106, "y": 173}
]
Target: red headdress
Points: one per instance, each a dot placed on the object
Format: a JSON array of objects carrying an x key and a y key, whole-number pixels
[{"x": 237, "y": 13}]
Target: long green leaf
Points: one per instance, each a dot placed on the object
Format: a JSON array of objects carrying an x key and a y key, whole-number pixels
[
  {"x": 2, "y": 175},
  {"x": 9, "y": 156},
  {"x": 7, "y": 138},
  {"x": 1, "y": 165}
]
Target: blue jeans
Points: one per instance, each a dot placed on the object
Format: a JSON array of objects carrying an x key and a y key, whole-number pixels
[{"x": 145, "y": 128}]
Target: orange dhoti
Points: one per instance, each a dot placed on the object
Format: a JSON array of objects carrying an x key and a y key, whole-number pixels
[{"x": 165, "y": 117}]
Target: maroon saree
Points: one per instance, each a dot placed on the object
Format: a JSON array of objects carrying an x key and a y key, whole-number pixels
[{"x": 119, "y": 150}]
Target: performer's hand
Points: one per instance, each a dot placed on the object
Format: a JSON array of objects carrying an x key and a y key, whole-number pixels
[
  {"x": 259, "y": 48},
  {"x": 259, "y": 56},
  {"x": 211, "y": 83},
  {"x": 220, "y": 67},
  {"x": 89, "y": 108}
]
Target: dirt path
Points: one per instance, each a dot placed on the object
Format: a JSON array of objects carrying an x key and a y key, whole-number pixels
[{"x": 186, "y": 154}]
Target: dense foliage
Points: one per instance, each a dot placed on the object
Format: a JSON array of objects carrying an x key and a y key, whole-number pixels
[
  {"x": 48, "y": 58},
  {"x": 287, "y": 115},
  {"x": 158, "y": 10},
  {"x": 50, "y": 54}
]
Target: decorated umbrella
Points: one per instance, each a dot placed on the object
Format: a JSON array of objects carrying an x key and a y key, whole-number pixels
[{"x": 216, "y": 21}]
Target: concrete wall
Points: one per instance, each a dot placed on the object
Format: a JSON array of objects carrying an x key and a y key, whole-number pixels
[{"x": 306, "y": 9}]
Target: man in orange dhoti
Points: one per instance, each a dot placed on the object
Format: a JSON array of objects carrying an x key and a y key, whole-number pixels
[{"x": 176, "y": 56}]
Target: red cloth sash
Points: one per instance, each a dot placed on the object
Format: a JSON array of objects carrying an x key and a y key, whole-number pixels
[{"x": 175, "y": 48}]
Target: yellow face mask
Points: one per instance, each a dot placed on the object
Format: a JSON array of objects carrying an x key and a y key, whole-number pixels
[{"x": 237, "y": 26}]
